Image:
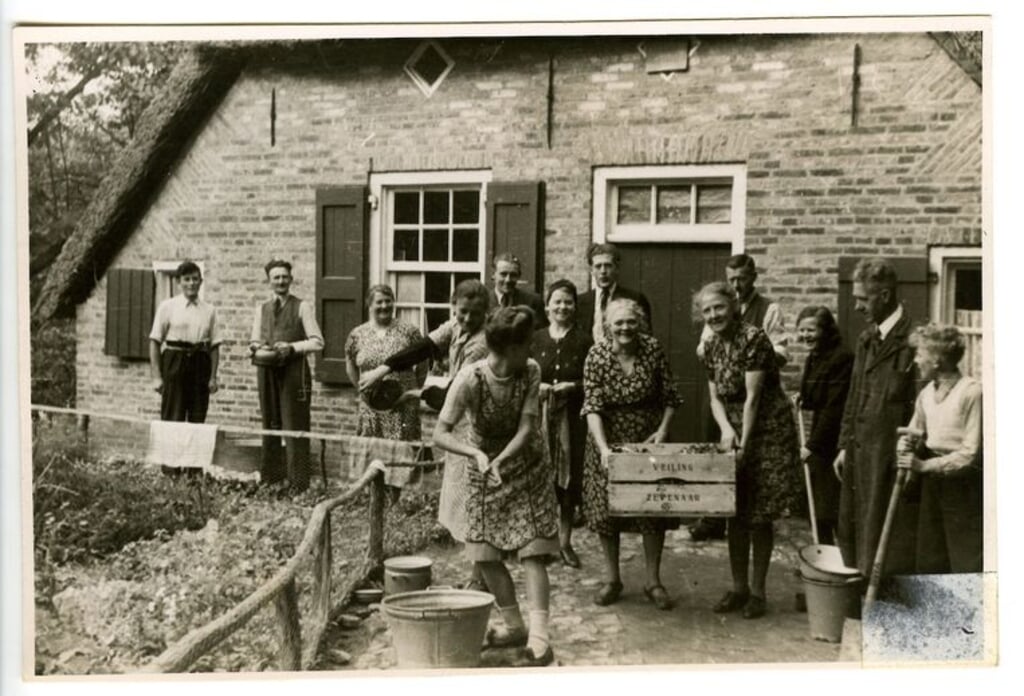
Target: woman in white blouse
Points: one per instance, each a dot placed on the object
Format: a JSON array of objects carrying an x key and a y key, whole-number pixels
[{"x": 947, "y": 454}]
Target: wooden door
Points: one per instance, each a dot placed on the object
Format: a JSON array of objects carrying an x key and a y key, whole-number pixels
[{"x": 669, "y": 275}]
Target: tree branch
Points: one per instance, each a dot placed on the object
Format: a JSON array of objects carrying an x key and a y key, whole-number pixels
[{"x": 61, "y": 104}]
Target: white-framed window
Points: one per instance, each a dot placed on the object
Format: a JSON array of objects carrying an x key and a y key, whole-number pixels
[
  {"x": 427, "y": 234},
  {"x": 671, "y": 203},
  {"x": 428, "y": 65},
  {"x": 166, "y": 279},
  {"x": 956, "y": 297}
]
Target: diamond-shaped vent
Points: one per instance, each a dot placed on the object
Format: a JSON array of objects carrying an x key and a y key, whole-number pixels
[{"x": 428, "y": 66}]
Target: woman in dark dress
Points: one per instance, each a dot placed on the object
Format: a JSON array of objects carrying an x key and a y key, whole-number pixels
[
  {"x": 823, "y": 388},
  {"x": 629, "y": 396},
  {"x": 560, "y": 349},
  {"x": 756, "y": 420}
]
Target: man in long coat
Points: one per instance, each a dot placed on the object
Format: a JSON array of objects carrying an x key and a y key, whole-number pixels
[{"x": 881, "y": 398}]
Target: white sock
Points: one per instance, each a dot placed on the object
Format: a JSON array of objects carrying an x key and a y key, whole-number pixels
[
  {"x": 513, "y": 618},
  {"x": 538, "y": 640}
]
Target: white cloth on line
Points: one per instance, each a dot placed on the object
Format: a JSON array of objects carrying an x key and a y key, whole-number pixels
[
  {"x": 181, "y": 445},
  {"x": 363, "y": 450}
]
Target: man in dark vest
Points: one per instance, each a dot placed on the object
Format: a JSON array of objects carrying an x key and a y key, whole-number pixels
[
  {"x": 506, "y": 270},
  {"x": 758, "y": 310},
  {"x": 881, "y": 399},
  {"x": 604, "y": 260},
  {"x": 283, "y": 332}
]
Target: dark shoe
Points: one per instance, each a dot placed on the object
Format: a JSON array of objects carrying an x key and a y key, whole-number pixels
[
  {"x": 504, "y": 638},
  {"x": 569, "y": 557},
  {"x": 659, "y": 597},
  {"x": 707, "y": 528},
  {"x": 608, "y": 594},
  {"x": 578, "y": 520},
  {"x": 731, "y": 601},
  {"x": 542, "y": 660},
  {"x": 755, "y": 608}
]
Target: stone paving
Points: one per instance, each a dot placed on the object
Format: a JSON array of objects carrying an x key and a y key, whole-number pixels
[{"x": 633, "y": 631}]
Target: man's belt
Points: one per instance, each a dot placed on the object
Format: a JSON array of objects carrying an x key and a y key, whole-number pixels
[{"x": 187, "y": 346}]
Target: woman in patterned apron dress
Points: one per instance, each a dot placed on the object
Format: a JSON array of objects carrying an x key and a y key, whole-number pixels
[{"x": 511, "y": 502}]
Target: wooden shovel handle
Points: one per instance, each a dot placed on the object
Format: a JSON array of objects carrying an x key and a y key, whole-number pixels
[{"x": 883, "y": 539}]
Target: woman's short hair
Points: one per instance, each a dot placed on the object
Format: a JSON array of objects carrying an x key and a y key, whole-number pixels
[
  {"x": 509, "y": 326},
  {"x": 825, "y": 321},
  {"x": 471, "y": 289},
  {"x": 946, "y": 343},
  {"x": 719, "y": 288},
  {"x": 624, "y": 304},
  {"x": 379, "y": 289},
  {"x": 562, "y": 284}
]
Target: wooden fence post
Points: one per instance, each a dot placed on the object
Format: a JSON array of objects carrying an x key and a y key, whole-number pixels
[
  {"x": 321, "y": 593},
  {"x": 375, "y": 542},
  {"x": 286, "y": 604}
]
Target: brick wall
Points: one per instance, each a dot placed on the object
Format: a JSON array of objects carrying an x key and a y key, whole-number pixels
[{"x": 907, "y": 176}]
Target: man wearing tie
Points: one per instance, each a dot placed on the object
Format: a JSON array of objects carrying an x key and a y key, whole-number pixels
[
  {"x": 603, "y": 260},
  {"x": 287, "y": 327},
  {"x": 506, "y": 271},
  {"x": 881, "y": 398}
]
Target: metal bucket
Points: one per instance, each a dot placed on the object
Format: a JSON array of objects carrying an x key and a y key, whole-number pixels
[
  {"x": 406, "y": 574},
  {"x": 437, "y": 628},
  {"x": 829, "y": 604}
]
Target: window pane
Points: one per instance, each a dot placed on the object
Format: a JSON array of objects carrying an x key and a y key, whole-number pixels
[
  {"x": 435, "y": 245},
  {"x": 437, "y": 288},
  {"x": 674, "y": 204},
  {"x": 459, "y": 277},
  {"x": 634, "y": 204},
  {"x": 714, "y": 204},
  {"x": 407, "y": 245},
  {"x": 437, "y": 316},
  {"x": 407, "y": 207},
  {"x": 967, "y": 288},
  {"x": 466, "y": 245},
  {"x": 467, "y": 207},
  {"x": 409, "y": 315},
  {"x": 435, "y": 207},
  {"x": 409, "y": 287}
]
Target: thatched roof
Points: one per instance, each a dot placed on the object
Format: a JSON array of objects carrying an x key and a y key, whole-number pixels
[
  {"x": 964, "y": 47},
  {"x": 193, "y": 90}
]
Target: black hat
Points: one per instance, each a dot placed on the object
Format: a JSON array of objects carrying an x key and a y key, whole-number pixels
[{"x": 383, "y": 395}]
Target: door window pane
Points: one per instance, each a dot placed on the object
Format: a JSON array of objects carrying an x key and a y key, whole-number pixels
[
  {"x": 674, "y": 204},
  {"x": 714, "y": 204},
  {"x": 634, "y": 204}
]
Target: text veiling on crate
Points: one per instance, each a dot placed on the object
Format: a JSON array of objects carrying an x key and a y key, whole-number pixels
[{"x": 671, "y": 479}]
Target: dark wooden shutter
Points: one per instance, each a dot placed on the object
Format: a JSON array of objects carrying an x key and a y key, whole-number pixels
[
  {"x": 515, "y": 223},
  {"x": 912, "y": 291},
  {"x": 340, "y": 274},
  {"x": 129, "y": 312}
]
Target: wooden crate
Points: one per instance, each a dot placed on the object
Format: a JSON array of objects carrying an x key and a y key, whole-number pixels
[{"x": 671, "y": 480}]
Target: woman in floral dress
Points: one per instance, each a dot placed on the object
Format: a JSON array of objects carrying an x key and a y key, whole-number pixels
[
  {"x": 366, "y": 348},
  {"x": 511, "y": 503},
  {"x": 756, "y": 420},
  {"x": 628, "y": 396}
]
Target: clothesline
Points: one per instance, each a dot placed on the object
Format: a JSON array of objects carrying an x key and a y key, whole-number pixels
[{"x": 243, "y": 430}]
